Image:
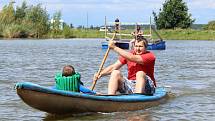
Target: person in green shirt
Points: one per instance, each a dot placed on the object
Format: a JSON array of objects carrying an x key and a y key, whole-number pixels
[{"x": 69, "y": 80}]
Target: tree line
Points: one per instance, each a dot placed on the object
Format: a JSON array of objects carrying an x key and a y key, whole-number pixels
[
  {"x": 31, "y": 22},
  {"x": 24, "y": 21},
  {"x": 34, "y": 21}
]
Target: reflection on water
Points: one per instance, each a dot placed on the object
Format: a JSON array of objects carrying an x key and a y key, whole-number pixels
[
  {"x": 185, "y": 68},
  {"x": 51, "y": 117},
  {"x": 117, "y": 116}
]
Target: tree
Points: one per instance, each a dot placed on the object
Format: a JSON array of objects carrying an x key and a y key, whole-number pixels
[
  {"x": 56, "y": 22},
  {"x": 21, "y": 12},
  {"x": 37, "y": 19},
  {"x": 173, "y": 15},
  {"x": 210, "y": 25},
  {"x": 71, "y": 26},
  {"x": 67, "y": 32},
  {"x": 7, "y": 15},
  {"x": 91, "y": 27},
  {"x": 80, "y": 27}
]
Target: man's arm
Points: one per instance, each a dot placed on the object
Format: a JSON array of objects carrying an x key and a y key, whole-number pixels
[{"x": 117, "y": 65}]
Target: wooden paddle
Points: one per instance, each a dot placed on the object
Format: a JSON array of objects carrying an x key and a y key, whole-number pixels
[{"x": 102, "y": 64}]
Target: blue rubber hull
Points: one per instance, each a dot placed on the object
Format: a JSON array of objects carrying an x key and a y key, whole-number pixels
[
  {"x": 61, "y": 102},
  {"x": 157, "y": 46},
  {"x": 123, "y": 45}
]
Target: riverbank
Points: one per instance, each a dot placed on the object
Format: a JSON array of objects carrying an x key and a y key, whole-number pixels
[
  {"x": 178, "y": 34},
  {"x": 188, "y": 34}
]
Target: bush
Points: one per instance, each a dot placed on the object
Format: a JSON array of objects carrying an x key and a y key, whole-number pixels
[
  {"x": 210, "y": 25},
  {"x": 67, "y": 32},
  {"x": 14, "y": 31}
]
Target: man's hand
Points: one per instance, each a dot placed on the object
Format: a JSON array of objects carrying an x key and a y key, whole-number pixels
[
  {"x": 111, "y": 44},
  {"x": 96, "y": 76}
]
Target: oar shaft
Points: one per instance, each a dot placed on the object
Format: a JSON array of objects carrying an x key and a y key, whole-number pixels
[
  {"x": 100, "y": 68},
  {"x": 102, "y": 64}
]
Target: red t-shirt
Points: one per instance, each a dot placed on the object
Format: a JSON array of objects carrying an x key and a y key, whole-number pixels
[{"x": 148, "y": 59}]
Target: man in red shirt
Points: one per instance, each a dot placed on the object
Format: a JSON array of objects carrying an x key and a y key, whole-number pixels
[{"x": 140, "y": 63}]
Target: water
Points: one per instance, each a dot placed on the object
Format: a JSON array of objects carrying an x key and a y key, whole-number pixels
[{"x": 187, "y": 68}]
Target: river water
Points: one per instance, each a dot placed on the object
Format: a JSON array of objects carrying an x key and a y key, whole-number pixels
[{"x": 185, "y": 68}]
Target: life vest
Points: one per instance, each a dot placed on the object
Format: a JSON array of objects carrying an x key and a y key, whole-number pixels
[{"x": 69, "y": 83}]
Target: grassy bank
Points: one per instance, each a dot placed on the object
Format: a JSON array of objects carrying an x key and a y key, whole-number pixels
[
  {"x": 179, "y": 34},
  {"x": 88, "y": 33},
  {"x": 188, "y": 34}
]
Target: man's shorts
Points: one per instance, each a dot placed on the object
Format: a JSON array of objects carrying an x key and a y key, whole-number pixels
[{"x": 128, "y": 86}]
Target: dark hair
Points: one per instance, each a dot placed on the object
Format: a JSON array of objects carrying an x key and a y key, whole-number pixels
[
  {"x": 68, "y": 70},
  {"x": 141, "y": 38},
  {"x": 117, "y": 20}
]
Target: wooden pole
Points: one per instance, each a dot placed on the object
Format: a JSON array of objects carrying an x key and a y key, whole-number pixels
[
  {"x": 105, "y": 27},
  {"x": 102, "y": 64},
  {"x": 150, "y": 29},
  {"x": 157, "y": 34}
]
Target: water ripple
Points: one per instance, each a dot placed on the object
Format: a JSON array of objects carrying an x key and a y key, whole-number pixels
[{"x": 186, "y": 67}]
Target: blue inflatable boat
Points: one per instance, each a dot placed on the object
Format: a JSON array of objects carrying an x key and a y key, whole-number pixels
[{"x": 51, "y": 100}]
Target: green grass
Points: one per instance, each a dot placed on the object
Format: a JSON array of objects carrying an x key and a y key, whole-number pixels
[
  {"x": 87, "y": 33},
  {"x": 188, "y": 34},
  {"x": 178, "y": 34}
]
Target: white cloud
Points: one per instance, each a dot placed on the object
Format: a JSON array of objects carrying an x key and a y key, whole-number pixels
[{"x": 201, "y": 4}]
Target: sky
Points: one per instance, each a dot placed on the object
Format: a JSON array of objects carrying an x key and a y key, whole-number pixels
[{"x": 93, "y": 12}]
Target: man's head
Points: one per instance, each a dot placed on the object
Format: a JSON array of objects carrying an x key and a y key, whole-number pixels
[
  {"x": 117, "y": 20},
  {"x": 140, "y": 45},
  {"x": 68, "y": 70}
]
